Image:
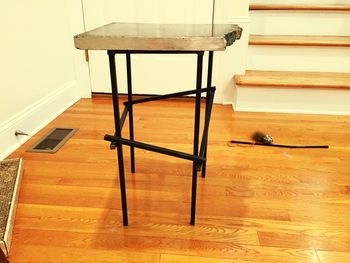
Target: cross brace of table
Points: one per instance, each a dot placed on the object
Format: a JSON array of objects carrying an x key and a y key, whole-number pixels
[{"x": 199, "y": 152}]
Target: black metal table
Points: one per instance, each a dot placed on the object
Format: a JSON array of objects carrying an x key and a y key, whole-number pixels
[{"x": 128, "y": 39}]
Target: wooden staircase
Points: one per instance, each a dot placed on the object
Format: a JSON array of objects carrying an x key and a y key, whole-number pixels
[{"x": 274, "y": 82}]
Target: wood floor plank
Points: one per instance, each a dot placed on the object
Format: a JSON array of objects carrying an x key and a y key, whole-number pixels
[
  {"x": 164, "y": 201},
  {"x": 333, "y": 257},
  {"x": 323, "y": 240},
  {"x": 86, "y": 220},
  {"x": 86, "y": 176},
  {"x": 297, "y": 200},
  {"x": 50, "y": 254},
  {"x": 167, "y": 258},
  {"x": 156, "y": 245},
  {"x": 148, "y": 201}
]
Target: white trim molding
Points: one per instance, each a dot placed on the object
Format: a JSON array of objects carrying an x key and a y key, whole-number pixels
[
  {"x": 231, "y": 62},
  {"x": 36, "y": 116}
]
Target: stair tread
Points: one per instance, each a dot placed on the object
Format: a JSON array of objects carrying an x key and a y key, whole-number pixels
[
  {"x": 310, "y": 7},
  {"x": 293, "y": 79},
  {"x": 300, "y": 40}
]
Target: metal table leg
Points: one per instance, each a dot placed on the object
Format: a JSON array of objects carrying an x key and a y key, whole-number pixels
[
  {"x": 131, "y": 120},
  {"x": 114, "y": 86},
  {"x": 207, "y": 99},
  {"x": 196, "y": 134}
]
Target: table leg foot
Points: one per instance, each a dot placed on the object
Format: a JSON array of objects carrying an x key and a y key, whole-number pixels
[{"x": 194, "y": 193}]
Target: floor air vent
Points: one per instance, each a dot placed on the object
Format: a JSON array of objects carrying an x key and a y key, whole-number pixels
[{"x": 53, "y": 140}]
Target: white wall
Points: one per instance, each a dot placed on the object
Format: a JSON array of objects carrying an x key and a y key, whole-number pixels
[
  {"x": 229, "y": 9},
  {"x": 226, "y": 64},
  {"x": 39, "y": 65},
  {"x": 150, "y": 73}
]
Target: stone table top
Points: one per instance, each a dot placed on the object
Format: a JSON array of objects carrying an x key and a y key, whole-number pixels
[{"x": 163, "y": 37}]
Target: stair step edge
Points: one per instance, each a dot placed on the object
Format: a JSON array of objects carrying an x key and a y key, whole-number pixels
[
  {"x": 285, "y": 79},
  {"x": 286, "y": 7},
  {"x": 299, "y": 40}
]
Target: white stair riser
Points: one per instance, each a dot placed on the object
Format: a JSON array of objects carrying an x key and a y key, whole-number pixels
[
  {"x": 295, "y": 58},
  {"x": 293, "y": 100},
  {"x": 300, "y": 23},
  {"x": 302, "y": 2}
]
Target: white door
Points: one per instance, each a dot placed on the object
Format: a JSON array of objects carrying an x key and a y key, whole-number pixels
[{"x": 151, "y": 74}]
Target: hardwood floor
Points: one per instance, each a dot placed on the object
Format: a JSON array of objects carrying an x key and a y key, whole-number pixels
[{"x": 257, "y": 204}]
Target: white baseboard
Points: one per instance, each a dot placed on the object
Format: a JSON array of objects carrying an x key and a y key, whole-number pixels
[{"x": 35, "y": 117}]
